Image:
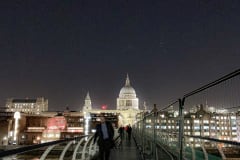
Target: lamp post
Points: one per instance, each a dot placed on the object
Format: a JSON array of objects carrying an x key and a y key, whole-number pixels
[
  {"x": 87, "y": 118},
  {"x": 16, "y": 117}
]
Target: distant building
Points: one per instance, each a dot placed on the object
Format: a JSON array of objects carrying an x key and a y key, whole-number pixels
[
  {"x": 127, "y": 97},
  {"x": 38, "y": 125},
  {"x": 88, "y": 103},
  {"x": 45, "y": 127},
  {"x": 29, "y": 106},
  {"x": 6, "y": 124},
  {"x": 127, "y": 106},
  {"x": 202, "y": 122}
]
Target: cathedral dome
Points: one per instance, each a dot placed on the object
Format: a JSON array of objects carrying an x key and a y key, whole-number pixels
[{"x": 127, "y": 91}]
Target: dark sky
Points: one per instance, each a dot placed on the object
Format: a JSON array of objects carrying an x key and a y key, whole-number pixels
[{"x": 62, "y": 49}]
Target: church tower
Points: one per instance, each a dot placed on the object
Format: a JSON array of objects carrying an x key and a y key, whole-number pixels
[
  {"x": 88, "y": 103},
  {"x": 127, "y": 97}
]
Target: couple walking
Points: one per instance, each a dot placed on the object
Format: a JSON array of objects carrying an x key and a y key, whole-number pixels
[{"x": 128, "y": 129}]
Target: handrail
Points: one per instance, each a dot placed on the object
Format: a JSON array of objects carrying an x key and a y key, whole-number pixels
[
  {"x": 216, "y": 140},
  {"x": 224, "y": 78},
  {"x": 85, "y": 147},
  {"x": 48, "y": 150},
  {"x": 37, "y": 146},
  {"x": 65, "y": 150},
  {"x": 76, "y": 149},
  {"x": 168, "y": 106},
  {"x": 169, "y": 154}
]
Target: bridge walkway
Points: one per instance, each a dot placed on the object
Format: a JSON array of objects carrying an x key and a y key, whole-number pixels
[{"x": 128, "y": 150}]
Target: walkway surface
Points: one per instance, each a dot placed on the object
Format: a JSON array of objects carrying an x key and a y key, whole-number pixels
[{"x": 128, "y": 151}]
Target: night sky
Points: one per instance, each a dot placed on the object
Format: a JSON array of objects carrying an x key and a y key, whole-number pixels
[{"x": 62, "y": 49}]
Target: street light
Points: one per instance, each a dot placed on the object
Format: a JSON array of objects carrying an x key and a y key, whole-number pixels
[{"x": 16, "y": 117}]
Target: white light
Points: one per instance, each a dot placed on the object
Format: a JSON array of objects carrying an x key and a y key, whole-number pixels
[
  {"x": 87, "y": 118},
  {"x": 10, "y": 134},
  {"x": 16, "y": 117}
]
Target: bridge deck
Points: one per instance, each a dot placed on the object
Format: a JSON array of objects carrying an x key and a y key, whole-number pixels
[{"x": 128, "y": 151}]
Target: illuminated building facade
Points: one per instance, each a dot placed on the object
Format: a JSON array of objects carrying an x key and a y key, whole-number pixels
[
  {"x": 47, "y": 126},
  {"x": 220, "y": 125},
  {"x": 88, "y": 103},
  {"x": 6, "y": 125},
  {"x": 127, "y": 97},
  {"x": 30, "y": 106},
  {"x": 127, "y": 105},
  {"x": 53, "y": 126},
  {"x": 202, "y": 122}
]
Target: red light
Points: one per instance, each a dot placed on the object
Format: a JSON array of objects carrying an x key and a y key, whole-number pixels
[
  {"x": 104, "y": 106},
  {"x": 57, "y": 123}
]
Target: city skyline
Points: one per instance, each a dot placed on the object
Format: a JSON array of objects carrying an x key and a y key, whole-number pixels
[{"x": 62, "y": 50}]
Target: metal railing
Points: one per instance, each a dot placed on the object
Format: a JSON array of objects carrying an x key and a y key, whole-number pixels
[
  {"x": 77, "y": 148},
  {"x": 201, "y": 125}
]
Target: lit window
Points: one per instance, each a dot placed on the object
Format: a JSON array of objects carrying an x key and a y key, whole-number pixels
[
  {"x": 197, "y": 133},
  {"x": 196, "y": 127},
  {"x": 206, "y": 133},
  {"x": 205, "y": 127},
  {"x": 205, "y": 121},
  {"x": 233, "y": 117},
  {"x": 196, "y": 121}
]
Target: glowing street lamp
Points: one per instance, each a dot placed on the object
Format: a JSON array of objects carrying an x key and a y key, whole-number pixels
[
  {"x": 38, "y": 139},
  {"x": 16, "y": 117},
  {"x": 87, "y": 118}
]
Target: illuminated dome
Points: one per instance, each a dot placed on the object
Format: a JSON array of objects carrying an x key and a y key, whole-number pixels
[
  {"x": 127, "y": 97},
  {"x": 127, "y": 91}
]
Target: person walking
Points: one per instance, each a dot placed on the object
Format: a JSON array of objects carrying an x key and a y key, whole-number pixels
[
  {"x": 129, "y": 131},
  {"x": 116, "y": 133},
  {"x": 121, "y": 132},
  {"x": 104, "y": 133}
]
